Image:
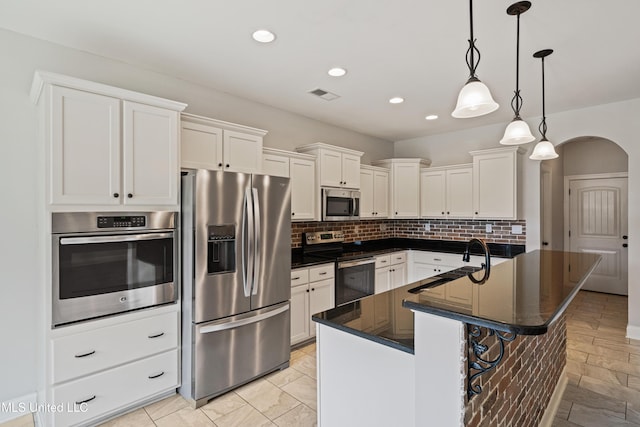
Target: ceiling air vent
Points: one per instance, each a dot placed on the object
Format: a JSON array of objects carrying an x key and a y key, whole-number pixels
[{"x": 321, "y": 93}]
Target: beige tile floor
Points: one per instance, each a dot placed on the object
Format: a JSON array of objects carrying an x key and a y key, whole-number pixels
[{"x": 602, "y": 364}]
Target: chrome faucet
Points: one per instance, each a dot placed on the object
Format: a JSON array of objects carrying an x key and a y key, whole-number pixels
[{"x": 466, "y": 257}]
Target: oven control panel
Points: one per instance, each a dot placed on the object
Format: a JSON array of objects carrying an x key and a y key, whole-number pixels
[
  {"x": 122, "y": 221},
  {"x": 320, "y": 237}
]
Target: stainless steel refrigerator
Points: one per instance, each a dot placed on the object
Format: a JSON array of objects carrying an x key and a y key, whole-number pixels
[{"x": 236, "y": 247}]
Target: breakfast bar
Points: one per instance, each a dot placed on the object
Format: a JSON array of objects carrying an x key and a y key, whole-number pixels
[{"x": 456, "y": 349}]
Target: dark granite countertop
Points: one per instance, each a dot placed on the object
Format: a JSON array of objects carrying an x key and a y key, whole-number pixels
[
  {"x": 382, "y": 246},
  {"x": 523, "y": 295}
]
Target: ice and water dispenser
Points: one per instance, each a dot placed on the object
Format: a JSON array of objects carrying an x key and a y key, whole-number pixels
[{"x": 221, "y": 249}]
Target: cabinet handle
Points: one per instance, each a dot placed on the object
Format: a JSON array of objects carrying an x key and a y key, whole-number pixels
[
  {"x": 324, "y": 273},
  {"x": 399, "y": 257},
  {"x": 625, "y": 237},
  {"x": 156, "y": 375},
  {"x": 383, "y": 261},
  {"x": 393, "y": 269},
  {"x": 219, "y": 165},
  {"x": 437, "y": 259},
  {"x": 156, "y": 335},
  {"x": 78, "y": 356},
  {"x": 313, "y": 289},
  {"x": 86, "y": 400},
  {"x": 295, "y": 278},
  {"x": 625, "y": 245},
  {"x": 130, "y": 195},
  {"x": 116, "y": 195}
]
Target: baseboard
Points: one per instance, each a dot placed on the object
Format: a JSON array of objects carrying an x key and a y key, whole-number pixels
[
  {"x": 554, "y": 402},
  {"x": 18, "y": 407},
  {"x": 633, "y": 332}
]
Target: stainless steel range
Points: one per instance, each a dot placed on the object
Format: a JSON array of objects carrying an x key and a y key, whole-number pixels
[{"x": 355, "y": 271}]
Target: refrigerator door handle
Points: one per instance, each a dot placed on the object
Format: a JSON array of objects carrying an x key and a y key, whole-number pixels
[
  {"x": 247, "y": 243},
  {"x": 243, "y": 322},
  {"x": 257, "y": 252}
]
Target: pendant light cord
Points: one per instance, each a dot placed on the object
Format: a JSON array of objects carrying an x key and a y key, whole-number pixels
[
  {"x": 543, "y": 124},
  {"x": 516, "y": 102},
  {"x": 470, "y": 57}
]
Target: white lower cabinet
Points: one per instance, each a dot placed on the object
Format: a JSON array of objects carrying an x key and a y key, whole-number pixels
[
  {"x": 312, "y": 291},
  {"x": 99, "y": 369},
  {"x": 391, "y": 271}
]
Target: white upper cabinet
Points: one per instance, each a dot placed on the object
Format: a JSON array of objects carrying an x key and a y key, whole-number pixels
[
  {"x": 217, "y": 145},
  {"x": 447, "y": 192},
  {"x": 374, "y": 192},
  {"x": 337, "y": 166},
  {"x": 495, "y": 183},
  {"x": 107, "y": 146},
  {"x": 404, "y": 185},
  {"x": 301, "y": 168}
]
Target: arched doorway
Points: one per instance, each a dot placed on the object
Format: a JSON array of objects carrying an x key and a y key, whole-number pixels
[{"x": 584, "y": 207}]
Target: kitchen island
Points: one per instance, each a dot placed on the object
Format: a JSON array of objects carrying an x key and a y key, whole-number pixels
[{"x": 496, "y": 358}]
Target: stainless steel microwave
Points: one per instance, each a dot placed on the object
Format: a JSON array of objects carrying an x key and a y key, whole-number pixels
[
  {"x": 109, "y": 263},
  {"x": 340, "y": 205}
]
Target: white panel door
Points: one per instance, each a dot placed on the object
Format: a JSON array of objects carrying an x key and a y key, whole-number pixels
[
  {"x": 398, "y": 275},
  {"x": 303, "y": 193},
  {"x": 366, "y": 194},
  {"x": 406, "y": 194},
  {"x": 150, "y": 160},
  {"x": 275, "y": 165},
  {"x": 383, "y": 280},
  {"x": 598, "y": 224},
  {"x": 380, "y": 194},
  {"x": 331, "y": 168},
  {"x": 85, "y": 148},
  {"x": 200, "y": 146},
  {"x": 459, "y": 193},
  {"x": 350, "y": 171},
  {"x": 241, "y": 152},
  {"x": 300, "y": 325},
  {"x": 432, "y": 194}
]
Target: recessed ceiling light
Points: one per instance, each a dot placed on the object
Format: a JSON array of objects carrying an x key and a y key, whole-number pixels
[
  {"x": 431, "y": 117},
  {"x": 337, "y": 72},
  {"x": 264, "y": 36},
  {"x": 396, "y": 100}
]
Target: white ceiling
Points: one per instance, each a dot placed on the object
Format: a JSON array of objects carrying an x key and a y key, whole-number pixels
[{"x": 408, "y": 48}]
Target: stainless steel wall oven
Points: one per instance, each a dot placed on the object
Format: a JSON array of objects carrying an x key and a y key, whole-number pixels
[{"x": 108, "y": 263}]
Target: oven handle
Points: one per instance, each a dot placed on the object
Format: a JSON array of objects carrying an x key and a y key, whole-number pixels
[
  {"x": 347, "y": 264},
  {"x": 111, "y": 239}
]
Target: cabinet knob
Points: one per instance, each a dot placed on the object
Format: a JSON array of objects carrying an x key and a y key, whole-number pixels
[
  {"x": 345, "y": 183},
  {"x": 396, "y": 213},
  {"x": 227, "y": 165},
  {"x": 313, "y": 289},
  {"x": 447, "y": 212},
  {"x": 625, "y": 245},
  {"x": 130, "y": 195},
  {"x": 307, "y": 290},
  {"x": 476, "y": 213},
  {"x": 293, "y": 213},
  {"x": 625, "y": 237},
  {"x": 116, "y": 195},
  {"x": 442, "y": 213},
  {"x": 219, "y": 165}
]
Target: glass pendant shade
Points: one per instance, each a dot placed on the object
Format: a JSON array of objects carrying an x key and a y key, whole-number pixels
[
  {"x": 474, "y": 100},
  {"x": 543, "y": 151},
  {"x": 517, "y": 132}
]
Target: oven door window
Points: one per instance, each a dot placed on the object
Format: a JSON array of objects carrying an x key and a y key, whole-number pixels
[
  {"x": 339, "y": 206},
  {"x": 98, "y": 268},
  {"x": 354, "y": 283}
]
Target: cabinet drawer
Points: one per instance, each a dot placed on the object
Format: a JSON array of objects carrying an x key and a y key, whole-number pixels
[
  {"x": 383, "y": 261},
  {"x": 116, "y": 388},
  {"x": 299, "y": 276},
  {"x": 398, "y": 258},
  {"x": 92, "y": 351},
  {"x": 322, "y": 272}
]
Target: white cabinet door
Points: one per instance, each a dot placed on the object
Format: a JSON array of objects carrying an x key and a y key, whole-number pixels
[
  {"x": 241, "y": 152},
  {"x": 495, "y": 184},
  {"x": 150, "y": 155},
  {"x": 406, "y": 194},
  {"x": 85, "y": 148},
  {"x": 366, "y": 193},
  {"x": 459, "y": 193},
  {"x": 321, "y": 298},
  {"x": 350, "y": 171},
  {"x": 275, "y": 165},
  {"x": 398, "y": 275},
  {"x": 383, "y": 280},
  {"x": 300, "y": 314},
  {"x": 382, "y": 310},
  {"x": 303, "y": 189},
  {"x": 380, "y": 194},
  {"x": 433, "y": 195},
  {"x": 200, "y": 146},
  {"x": 331, "y": 168}
]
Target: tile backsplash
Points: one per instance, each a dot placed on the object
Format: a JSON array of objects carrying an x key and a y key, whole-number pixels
[{"x": 439, "y": 229}]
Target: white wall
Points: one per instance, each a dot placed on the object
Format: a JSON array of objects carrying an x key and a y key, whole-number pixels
[
  {"x": 21, "y": 176},
  {"x": 593, "y": 155},
  {"x": 616, "y": 122}
]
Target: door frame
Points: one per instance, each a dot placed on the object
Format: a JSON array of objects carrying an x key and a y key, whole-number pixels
[{"x": 567, "y": 182}]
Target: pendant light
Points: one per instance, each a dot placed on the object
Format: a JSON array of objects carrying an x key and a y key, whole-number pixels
[
  {"x": 474, "y": 99},
  {"x": 517, "y": 131},
  {"x": 544, "y": 149}
]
